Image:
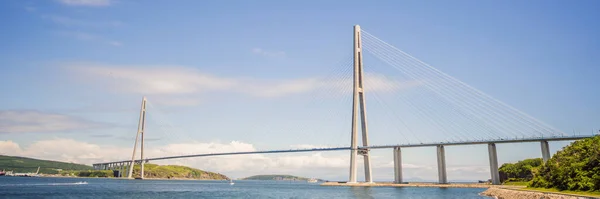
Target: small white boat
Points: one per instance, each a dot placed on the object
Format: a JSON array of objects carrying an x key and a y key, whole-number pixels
[
  {"x": 312, "y": 180},
  {"x": 231, "y": 182}
]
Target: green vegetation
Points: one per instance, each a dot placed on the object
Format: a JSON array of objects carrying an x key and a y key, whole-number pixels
[
  {"x": 175, "y": 171},
  {"x": 155, "y": 171},
  {"x": 24, "y": 165},
  {"x": 276, "y": 177},
  {"x": 521, "y": 171},
  {"x": 516, "y": 183},
  {"x": 88, "y": 173},
  {"x": 575, "y": 168}
]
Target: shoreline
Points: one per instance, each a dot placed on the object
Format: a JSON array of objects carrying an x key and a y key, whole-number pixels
[
  {"x": 506, "y": 193},
  {"x": 494, "y": 191},
  {"x": 411, "y": 184}
]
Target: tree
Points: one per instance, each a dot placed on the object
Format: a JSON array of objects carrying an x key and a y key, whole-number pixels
[
  {"x": 520, "y": 171},
  {"x": 576, "y": 167}
]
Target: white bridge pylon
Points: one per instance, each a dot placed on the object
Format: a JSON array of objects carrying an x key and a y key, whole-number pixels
[
  {"x": 358, "y": 104},
  {"x": 140, "y": 132}
]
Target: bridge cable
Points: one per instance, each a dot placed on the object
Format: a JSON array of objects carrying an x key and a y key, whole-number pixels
[
  {"x": 376, "y": 54},
  {"x": 530, "y": 122}
]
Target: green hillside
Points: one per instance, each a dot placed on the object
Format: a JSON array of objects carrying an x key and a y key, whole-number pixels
[
  {"x": 175, "y": 171},
  {"x": 276, "y": 177},
  {"x": 575, "y": 168},
  {"x": 521, "y": 171},
  {"x": 154, "y": 171},
  {"x": 23, "y": 165}
]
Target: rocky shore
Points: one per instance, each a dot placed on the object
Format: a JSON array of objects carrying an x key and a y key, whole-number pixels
[{"x": 501, "y": 193}]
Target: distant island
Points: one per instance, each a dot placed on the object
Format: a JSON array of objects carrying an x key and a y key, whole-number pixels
[
  {"x": 63, "y": 169},
  {"x": 278, "y": 177}
]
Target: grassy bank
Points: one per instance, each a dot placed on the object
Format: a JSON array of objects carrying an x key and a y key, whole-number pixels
[
  {"x": 516, "y": 183},
  {"x": 595, "y": 194}
]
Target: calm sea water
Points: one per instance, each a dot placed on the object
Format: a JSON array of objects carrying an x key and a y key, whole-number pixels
[{"x": 21, "y": 187}]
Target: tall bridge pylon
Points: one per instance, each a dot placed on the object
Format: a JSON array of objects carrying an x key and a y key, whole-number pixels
[
  {"x": 358, "y": 104},
  {"x": 140, "y": 131}
]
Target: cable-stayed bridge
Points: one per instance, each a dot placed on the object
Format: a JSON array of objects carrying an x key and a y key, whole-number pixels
[{"x": 435, "y": 110}]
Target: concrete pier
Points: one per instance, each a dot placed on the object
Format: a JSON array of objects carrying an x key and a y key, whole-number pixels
[
  {"x": 142, "y": 170},
  {"x": 121, "y": 167},
  {"x": 441, "y": 160},
  {"x": 493, "y": 163},
  {"x": 545, "y": 150},
  {"x": 397, "y": 165}
]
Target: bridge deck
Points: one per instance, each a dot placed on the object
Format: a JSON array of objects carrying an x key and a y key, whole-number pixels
[{"x": 498, "y": 141}]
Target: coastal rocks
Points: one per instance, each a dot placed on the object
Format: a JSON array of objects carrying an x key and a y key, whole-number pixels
[{"x": 510, "y": 194}]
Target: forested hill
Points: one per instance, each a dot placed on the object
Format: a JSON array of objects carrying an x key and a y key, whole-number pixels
[
  {"x": 23, "y": 165},
  {"x": 576, "y": 168},
  {"x": 177, "y": 172}
]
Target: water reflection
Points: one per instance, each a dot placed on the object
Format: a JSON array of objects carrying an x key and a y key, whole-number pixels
[{"x": 362, "y": 192}]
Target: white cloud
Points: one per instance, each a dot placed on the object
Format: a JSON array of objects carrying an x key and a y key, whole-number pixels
[
  {"x": 390, "y": 164},
  {"x": 242, "y": 165},
  {"x": 86, "y": 2},
  {"x": 164, "y": 80},
  {"x": 152, "y": 80},
  {"x": 260, "y": 51},
  {"x": 328, "y": 165},
  {"x": 33, "y": 121},
  {"x": 308, "y": 146},
  {"x": 9, "y": 147},
  {"x": 175, "y": 101}
]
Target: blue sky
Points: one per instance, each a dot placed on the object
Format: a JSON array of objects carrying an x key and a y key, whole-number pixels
[{"x": 223, "y": 71}]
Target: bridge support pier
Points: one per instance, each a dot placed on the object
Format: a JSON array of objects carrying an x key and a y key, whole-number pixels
[
  {"x": 441, "y": 160},
  {"x": 397, "y": 165},
  {"x": 120, "y": 169},
  {"x": 545, "y": 150},
  {"x": 126, "y": 169},
  {"x": 142, "y": 169},
  {"x": 493, "y": 163}
]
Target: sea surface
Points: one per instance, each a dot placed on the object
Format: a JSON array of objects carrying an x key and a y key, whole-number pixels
[{"x": 43, "y": 187}]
